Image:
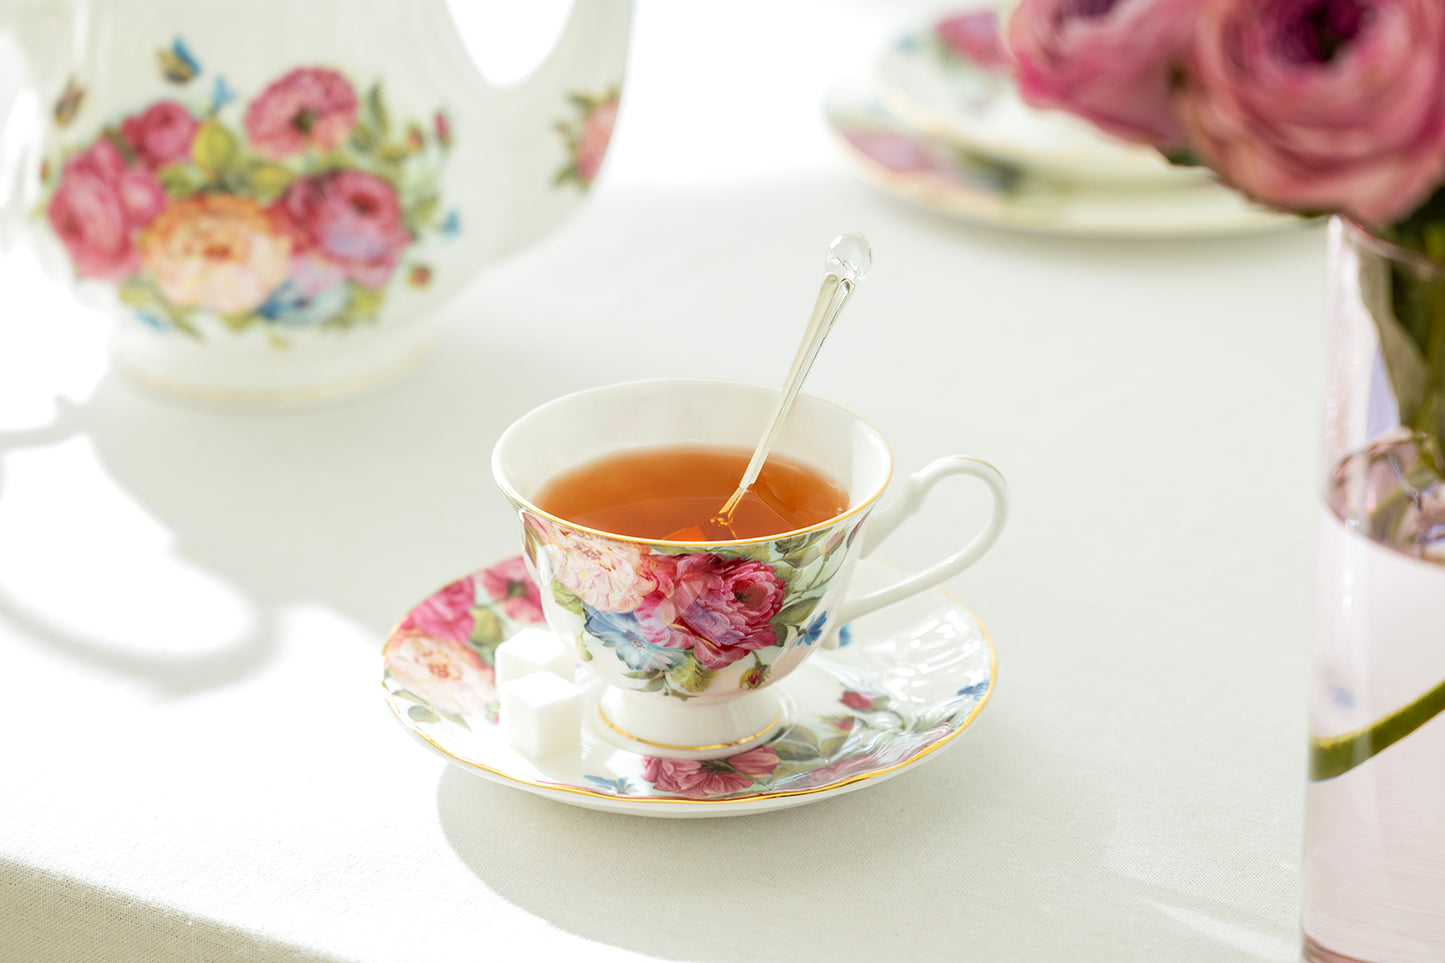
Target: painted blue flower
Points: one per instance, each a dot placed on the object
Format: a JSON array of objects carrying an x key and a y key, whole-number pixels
[
  {"x": 845, "y": 635},
  {"x": 814, "y": 629},
  {"x": 974, "y": 691},
  {"x": 621, "y": 785},
  {"x": 178, "y": 64},
  {"x": 152, "y": 320},
  {"x": 221, "y": 95},
  {"x": 621, "y": 632},
  {"x": 289, "y": 306},
  {"x": 452, "y": 224}
]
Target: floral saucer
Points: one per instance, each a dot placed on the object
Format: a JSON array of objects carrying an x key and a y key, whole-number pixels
[
  {"x": 951, "y": 79},
  {"x": 902, "y": 683},
  {"x": 937, "y": 174}
]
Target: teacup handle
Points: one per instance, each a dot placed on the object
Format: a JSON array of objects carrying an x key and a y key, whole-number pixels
[{"x": 909, "y": 500}]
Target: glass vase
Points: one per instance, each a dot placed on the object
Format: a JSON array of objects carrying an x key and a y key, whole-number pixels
[{"x": 1374, "y": 871}]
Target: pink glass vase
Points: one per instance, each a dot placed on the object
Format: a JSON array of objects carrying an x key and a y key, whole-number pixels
[{"x": 1374, "y": 873}]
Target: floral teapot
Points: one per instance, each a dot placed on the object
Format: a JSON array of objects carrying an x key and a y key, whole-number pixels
[{"x": 274, "y": 198}]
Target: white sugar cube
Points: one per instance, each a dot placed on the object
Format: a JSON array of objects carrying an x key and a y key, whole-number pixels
[
  {"x": 533, "y": 650},
  {"x": 542, "y": 714}
]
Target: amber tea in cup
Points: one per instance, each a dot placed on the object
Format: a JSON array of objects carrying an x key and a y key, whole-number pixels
[{"x": 659, "y": 492}]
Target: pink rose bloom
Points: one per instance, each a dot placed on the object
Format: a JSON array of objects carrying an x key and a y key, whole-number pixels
[
  {"x": 1112, "y": 62},
  {"x": 974, "y": 37},
  {"x": 896, "y": 751},
  {"x": 596, "y": 135},
  {"x": 720, "y": 608},
  {"x": 162, "y": 134},
  {"x": 310, "y": 108},
  {"x": 97, "y": 209},
  {"x": 447, "y": 614},
  {"x": 449, "y": 675},
  {"x": 509, "y": 583},
  {"x": 345, "y": 224},
  {"x": 895, "y": 151},
  {"x": 858, "y": 701},
  {"x": 1325, "y": 105},
  {"x": 607, "y": 575},
  {"x": 710, "y": 777}
]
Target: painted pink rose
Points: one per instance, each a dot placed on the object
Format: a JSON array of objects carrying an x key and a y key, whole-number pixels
[
  {"x": 97, "y": 209},
  {"x": 858, "y": 701},
  {"x": 974, "y": 37},
  {"x": 607, "y": 575},
  {"x": 510, "y": 584},
  {"x": 1112, "y": 62},
  {"x": 593, "y": 140},
  {"x": 217, "y": 252},
  {"x": 344, "y": 225},
  {"x": 309, "y": 108},
  {"x": 720, "y": 608},
  {"x": 449, "y": 675},
  {"x": 447, "y": 614},
  {"x": 897, "y": 750},
  {"x": 1322, "y": 105},
  {"x": 710, "y": 777},
  {"x": 895, "y": 151},
  {"x": 161, "y": 134}
]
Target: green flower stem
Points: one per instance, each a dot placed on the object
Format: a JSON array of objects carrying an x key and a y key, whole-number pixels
[{"x": 1337, "y": 755}]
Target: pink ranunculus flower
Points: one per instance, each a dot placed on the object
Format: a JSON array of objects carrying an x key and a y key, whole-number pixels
[
  {"x": 1332, "y": 105},
  {"x": 344, "y": 224},
  {"x": 447, "y": 614},
  {"x": 309, "y": 108},
  {"x": 448, "y": 674},
  {"x": 509, "y": 583},
  {"x": 974, "y": 37},
  {"x": 97, "y": 208},
  {"x": 720, "y": 608},
  {"x": 595, "y": 136},
  {"x": 161, "y": 134},
  {"x": 217, "y": 252},
  {"x": 608, "y": 575},
  {"x": 710, "y": 777},
  {"x": 1112, "y": 62}
]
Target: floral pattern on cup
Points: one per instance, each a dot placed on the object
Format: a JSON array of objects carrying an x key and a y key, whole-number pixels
[
  {"x": 295, "y": 209},
  {"x": 678, "y": 619},
  {"x": 438, "y": 672},
  {"x": 587, "y": 137},
  {"x": 441, "y": 657}
]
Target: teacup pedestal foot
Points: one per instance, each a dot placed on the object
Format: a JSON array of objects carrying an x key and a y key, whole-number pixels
[{"x": 699, "y": 728}]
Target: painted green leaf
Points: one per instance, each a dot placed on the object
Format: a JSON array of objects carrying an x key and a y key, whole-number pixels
[
  {"x": 179, "y": 181},
  {"x": 363, "y": 138},
  {"x": 136, "y": 293},
  {"x": 563, "y": 596},
  {"x": 798, "y": 613},
  {"x": 582, "y": 651},
  {"x": 656, "y": 685},
  {"x": 365, "y": 302},
  {"x": 420, "y": 215},
  {"x": 487, "y": 632},
  {"x": 377, "y": 108},
  {"x": 790, "y": 751},
  {"x": 239, "y": 322},
  {"x": 803, "y": 735},
  {"x": 422, "y": 714},
  {"x": 269, "y": 181},
  {"x": 214, "y": 148},
  {"x": 833, "y": 743},
  {"x": 691, "y": 676}
]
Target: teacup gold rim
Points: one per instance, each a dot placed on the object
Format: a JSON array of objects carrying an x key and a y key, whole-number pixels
[
  {"x": 520, "y": 500},
  {"x": 676, "y": 800}
]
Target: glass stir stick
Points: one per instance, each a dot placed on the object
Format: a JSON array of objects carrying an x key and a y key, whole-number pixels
[{"x": 847, "y": 263}]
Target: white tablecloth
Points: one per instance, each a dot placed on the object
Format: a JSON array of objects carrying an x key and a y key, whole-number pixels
[{"x": 195, "y": 759}]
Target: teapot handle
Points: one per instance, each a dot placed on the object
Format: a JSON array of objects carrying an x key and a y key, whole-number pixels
[{"x": 544, "y": 119}]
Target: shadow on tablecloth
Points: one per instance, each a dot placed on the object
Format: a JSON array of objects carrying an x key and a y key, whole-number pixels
[{"x": 46, "y": 918}]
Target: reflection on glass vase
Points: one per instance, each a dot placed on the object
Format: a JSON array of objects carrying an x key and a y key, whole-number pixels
[{"x": 1374, "y": 873}]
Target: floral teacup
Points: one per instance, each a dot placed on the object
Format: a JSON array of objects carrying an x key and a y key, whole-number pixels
[{"x": 688, "y": 637}]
